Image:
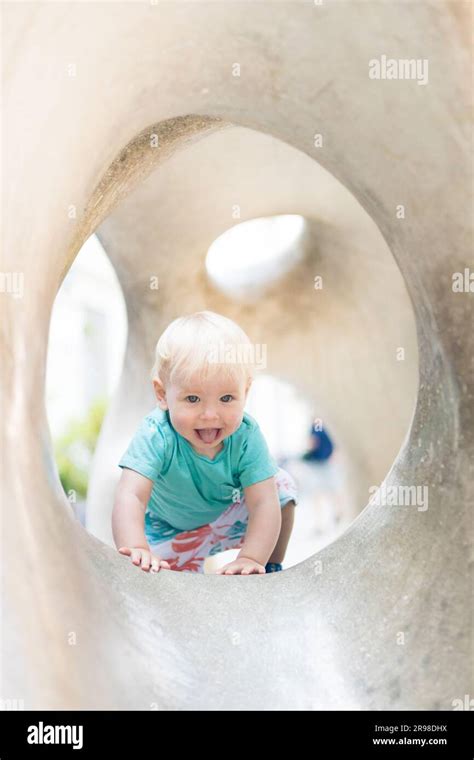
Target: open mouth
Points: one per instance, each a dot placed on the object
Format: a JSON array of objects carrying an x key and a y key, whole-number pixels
[{"x": 208, "y": 435}]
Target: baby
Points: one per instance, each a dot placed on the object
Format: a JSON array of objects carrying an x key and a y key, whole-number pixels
[{"x": 197, "y": 478}]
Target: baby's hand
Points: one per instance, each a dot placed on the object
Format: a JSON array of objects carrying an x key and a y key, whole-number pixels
[
  {"x": 145, "y": 558},
  {"x": 242, "y": 566}
]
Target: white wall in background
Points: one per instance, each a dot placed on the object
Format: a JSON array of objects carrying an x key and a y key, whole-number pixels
[
  {"x": 87, "y": 337},
  {"x": 284, "y": 417}
]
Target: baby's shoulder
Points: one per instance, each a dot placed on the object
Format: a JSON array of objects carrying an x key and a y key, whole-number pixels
[
  {"x": 248, "y": 426},
  {"x": 156, "y": 424}
]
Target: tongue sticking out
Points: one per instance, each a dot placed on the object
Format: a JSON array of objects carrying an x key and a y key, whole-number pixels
[{"x": 209, "y": 435}]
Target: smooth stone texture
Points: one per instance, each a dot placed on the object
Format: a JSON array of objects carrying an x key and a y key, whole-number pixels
[{"x": 82, "y": 628}]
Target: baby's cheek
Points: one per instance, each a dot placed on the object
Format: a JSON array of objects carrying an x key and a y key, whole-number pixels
[
  {"x": 182, "y": 420},
  {"x": 234, "y": 421}
]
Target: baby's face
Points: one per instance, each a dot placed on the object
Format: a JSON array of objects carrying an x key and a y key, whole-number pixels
[{"x": 205, "y": 412}]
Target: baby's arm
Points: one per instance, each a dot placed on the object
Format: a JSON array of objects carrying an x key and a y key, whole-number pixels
[
  {"x": 263, "y": 529},
  {"x": 264, "y": 523},
  {"x": 128, "y": 518}
]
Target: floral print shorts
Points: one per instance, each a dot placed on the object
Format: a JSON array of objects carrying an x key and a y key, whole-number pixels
[{"x": 187, "y": 550}]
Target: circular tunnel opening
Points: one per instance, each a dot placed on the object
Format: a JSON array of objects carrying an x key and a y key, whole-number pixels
[
  {"x": 320, "y": 289},
  {"x": 249, "y": 257}
]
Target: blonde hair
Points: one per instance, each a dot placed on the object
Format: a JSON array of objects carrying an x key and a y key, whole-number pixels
[{"x": 205, "y": 343}]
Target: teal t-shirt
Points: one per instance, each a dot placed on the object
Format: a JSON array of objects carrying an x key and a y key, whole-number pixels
[{"x": 189, "y": 489}]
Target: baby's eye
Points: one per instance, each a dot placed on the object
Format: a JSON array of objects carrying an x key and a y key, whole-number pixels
[
  {"x": 192, "y": 397},
  {"x": 227, "y": 395}
]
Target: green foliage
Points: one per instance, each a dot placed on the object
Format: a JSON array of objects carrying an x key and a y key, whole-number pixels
[{"x": 74, "y": 449}]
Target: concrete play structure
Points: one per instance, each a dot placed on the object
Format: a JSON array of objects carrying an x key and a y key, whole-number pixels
[{"x": 150, "y": 124}]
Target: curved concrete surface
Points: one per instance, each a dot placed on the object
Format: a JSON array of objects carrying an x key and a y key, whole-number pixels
[
  {"x": 380, "y": 618},
  {"x": 350, "y": 328}
]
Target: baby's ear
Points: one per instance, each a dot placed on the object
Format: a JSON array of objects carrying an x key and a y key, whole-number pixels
[{"x": 160, "y": 392}]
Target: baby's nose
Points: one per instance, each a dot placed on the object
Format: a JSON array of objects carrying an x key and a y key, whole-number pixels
[{"x": 209, "y": 414}]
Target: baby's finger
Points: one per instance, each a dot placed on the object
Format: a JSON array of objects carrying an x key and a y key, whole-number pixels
[
  {"x": 125, "y": 550},
  {"x": 157, "y": 558},
  {"x": 136, "y": 556},
  {"x": 223, "y": 570}
]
